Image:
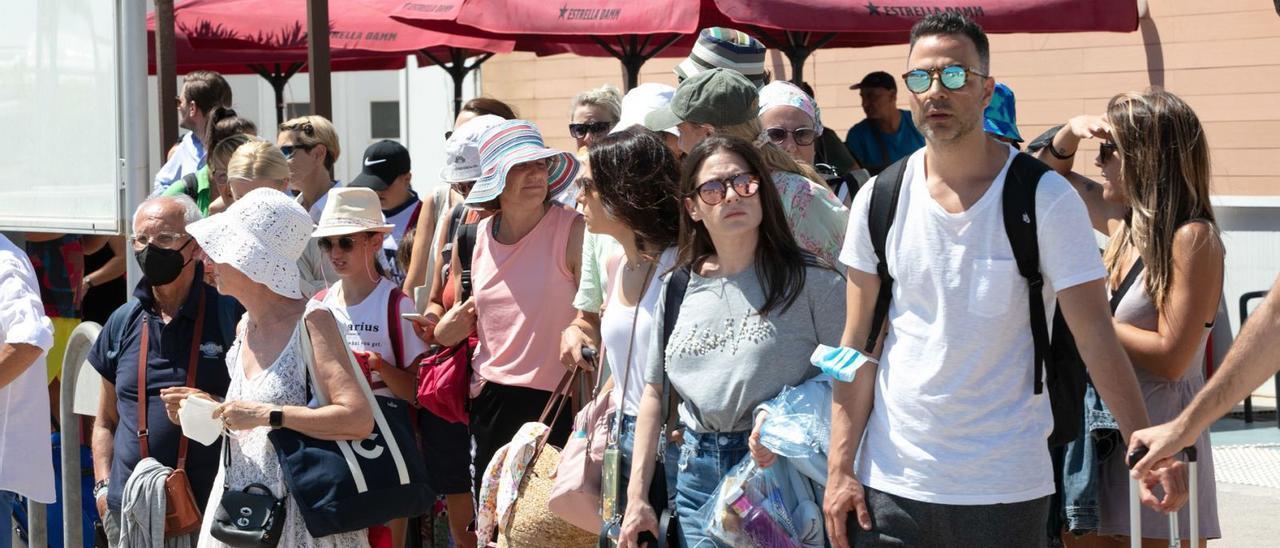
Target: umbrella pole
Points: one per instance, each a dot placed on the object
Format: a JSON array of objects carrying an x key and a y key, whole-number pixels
[
  {"x": 458, "y": 69},
  {"x": 277, "y": 78},
  {"x": 166, "y": 76}
]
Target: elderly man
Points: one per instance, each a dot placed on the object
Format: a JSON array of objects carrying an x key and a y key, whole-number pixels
[
  {"x": 185, "y": 328},
  {"x": 25, "y": 335}
]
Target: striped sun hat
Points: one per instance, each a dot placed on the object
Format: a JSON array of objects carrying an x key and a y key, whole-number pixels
[
  {"x": 516, "y": 142},
  {"x": 720, "y": 47}
]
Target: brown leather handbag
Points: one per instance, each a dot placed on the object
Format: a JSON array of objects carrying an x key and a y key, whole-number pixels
[{"x": 181, "y": 511}]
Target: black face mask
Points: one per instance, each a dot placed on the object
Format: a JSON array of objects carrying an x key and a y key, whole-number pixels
[{"x": 161, "y": 266}]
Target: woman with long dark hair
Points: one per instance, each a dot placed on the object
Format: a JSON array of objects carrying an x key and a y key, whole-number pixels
[{"x": 755, "y": 307}]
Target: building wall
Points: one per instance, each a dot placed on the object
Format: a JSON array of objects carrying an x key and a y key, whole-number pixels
[{"x": 1218, "y": 56}]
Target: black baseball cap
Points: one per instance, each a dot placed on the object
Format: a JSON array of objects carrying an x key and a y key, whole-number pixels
[
  {"x": 384, "y": 161},
  {"x": 877, "y": 79}
]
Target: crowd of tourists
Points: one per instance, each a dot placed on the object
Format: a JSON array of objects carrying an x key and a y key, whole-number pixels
[{"x": 714, "y": 323}]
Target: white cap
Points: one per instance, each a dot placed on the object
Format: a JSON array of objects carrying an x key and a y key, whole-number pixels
[
  {"x": 642, "y": 100},
  {"x": 462, "y": 150}
]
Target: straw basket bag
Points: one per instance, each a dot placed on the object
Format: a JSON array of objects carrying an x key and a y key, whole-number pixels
[{"x": 532, "y": 522}]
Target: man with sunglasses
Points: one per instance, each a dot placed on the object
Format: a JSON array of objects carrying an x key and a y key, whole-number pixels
[
  {"x": 386, "y": 171},
  {"x": 173, "y": 337},
  {"x": 887, "y": 133},
  {"x": 956, "y": 436}
]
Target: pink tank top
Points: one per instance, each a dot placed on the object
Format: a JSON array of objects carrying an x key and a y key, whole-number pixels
[{"x": 524, "y": 295}]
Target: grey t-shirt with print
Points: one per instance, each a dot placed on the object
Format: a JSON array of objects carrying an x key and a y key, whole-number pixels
[{"x": 724, "y": 359}]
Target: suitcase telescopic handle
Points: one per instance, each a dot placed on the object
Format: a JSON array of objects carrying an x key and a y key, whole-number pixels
[{"x": 1135, "y": 526}]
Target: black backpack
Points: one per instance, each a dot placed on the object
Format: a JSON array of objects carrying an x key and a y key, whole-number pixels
[{"x": 1057, "y": 360}]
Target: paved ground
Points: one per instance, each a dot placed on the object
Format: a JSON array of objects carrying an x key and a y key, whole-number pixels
[{"x": 1247, "y": 462}]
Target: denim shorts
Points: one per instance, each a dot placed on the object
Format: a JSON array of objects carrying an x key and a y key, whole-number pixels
[{"x": 704, "y": 460}]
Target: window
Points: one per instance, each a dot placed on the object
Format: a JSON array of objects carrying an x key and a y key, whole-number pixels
[
  {"x": 294, "y": 110},
  {"x": 384, "y": 119}
]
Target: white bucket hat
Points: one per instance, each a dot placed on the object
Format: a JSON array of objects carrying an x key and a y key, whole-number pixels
[
  {"x": 462, "y": 149},
  {"x": 642, "y": 100},
  {"x": 262, "y": 235},
  {"x": 351, "y": 210}
]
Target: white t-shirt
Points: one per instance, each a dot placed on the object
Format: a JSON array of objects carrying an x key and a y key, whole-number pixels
[
  {"x": 365, "y": 327},
  {"x": 955, "y": 419},
  {"x": 400, "y": 217},
  {"x": 615, "y": 334},
  {"x": 25, "y": 466}
]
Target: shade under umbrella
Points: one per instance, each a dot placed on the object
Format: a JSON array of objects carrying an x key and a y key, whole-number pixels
[{"x": 631, "y": 31}]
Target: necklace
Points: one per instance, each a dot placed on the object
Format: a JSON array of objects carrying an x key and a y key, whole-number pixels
[{"x": 634, "y": 266}]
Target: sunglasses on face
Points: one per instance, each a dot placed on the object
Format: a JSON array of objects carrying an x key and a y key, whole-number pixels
[
  {"x": 345, "y": 243},
  {"x": 953, "y": 77},
  {"x": 713, "y": 191},
  {"x": 802, "y": 136},
  {"x": 289, "y": 150},
  {"x": 1106, "y": 151},
  {"x": 579, "y": 131},
  {"x": 464, "y": 187}
]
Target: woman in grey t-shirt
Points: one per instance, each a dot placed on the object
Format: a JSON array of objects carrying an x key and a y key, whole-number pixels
[{"x": 755, "y": 307}]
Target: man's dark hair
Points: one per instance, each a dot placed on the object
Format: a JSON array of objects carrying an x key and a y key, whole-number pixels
[
  {"x": 207, "y": 89},
  {"x": 950, "y": 23}
]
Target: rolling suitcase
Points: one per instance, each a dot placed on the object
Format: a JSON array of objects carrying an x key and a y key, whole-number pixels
[{"x": 1135, "y": 506}]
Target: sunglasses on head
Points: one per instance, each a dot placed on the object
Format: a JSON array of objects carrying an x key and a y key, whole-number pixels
[
  {"x": 802, "y": 136},
  {"x": 1105, "y": 151},
  {"x": 579, "y": 131},
  {"x": 952, "y": 77},
  {"x": 345, "y": 243},
  {"x": 713, "y": 191},
  {"x": 289, "y": 150}
]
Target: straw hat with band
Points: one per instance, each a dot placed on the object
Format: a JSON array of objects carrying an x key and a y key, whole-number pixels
[
  {"x": 462, "y": 149},
  {"x": 515, "y": 142},
  {"x": 262, "y": 235},
  {"x": 351, "y": 210},
  {"x": 719, "y": 97}
]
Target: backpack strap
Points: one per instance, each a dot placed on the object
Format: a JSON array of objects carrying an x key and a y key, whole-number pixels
[
  {"x": 413, "y": 218},
  {"x": 190, "y": 185},
  {"x": 1129, "y": 279},
  {"x": 883, "y": 207},
  {"x": 393, "y": 323},
  {"x": 1019, "y": 204},
  {"x": 677, "y": 285},
  {"x": 466, "y": 246}
]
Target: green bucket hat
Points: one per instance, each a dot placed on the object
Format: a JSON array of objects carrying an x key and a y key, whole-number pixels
[{"x": 719, "y": 97}]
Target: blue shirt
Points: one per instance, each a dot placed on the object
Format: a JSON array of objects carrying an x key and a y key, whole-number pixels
[
  {"x": 862, "y": 141},
  {"x": 189, "y": 158},
  {"x": 115, "y": 356}
]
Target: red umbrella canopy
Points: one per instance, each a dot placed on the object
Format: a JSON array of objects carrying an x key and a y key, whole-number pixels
[
  {"x": 248, "y": 61},
  {"x": 798, "y": 27},
  {"x": 852, "y": 20},
  {"x": 281, "y": 24},
  {"x": 630, "y": 30}
]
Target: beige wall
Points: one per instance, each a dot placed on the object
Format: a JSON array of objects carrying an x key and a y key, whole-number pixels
[{"x": 1221, "y": 57}]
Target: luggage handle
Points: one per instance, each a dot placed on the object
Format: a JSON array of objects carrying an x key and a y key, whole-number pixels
[{"x": 1135, "y": 505}]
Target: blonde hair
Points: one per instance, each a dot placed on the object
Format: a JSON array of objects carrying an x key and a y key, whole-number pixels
[
  {"x": 258, "y": 159},
  {"x": 1165, "y": 176},
  {"x": 316, "y": 130},
  {"x": 607, "y": 97},
  {"x": 775, "y": 158}
]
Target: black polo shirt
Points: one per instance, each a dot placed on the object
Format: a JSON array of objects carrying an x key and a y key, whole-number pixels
[{"x": 115, "y": 356}]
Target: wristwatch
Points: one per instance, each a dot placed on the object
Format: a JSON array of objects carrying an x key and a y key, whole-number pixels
[
  {"x": 276, "y": 418},
  {"x": 100, "y": 488}
]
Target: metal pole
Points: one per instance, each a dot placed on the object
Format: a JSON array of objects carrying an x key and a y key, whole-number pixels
[
  {"x": 133, "y": 107},
  {"x": 318, "y": 57},
  {"x": 166, "y": 76},
  {"x": 78, "y": 345}
]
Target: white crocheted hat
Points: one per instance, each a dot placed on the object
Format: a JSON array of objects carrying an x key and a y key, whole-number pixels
[{"x": 262, "y": 235}]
